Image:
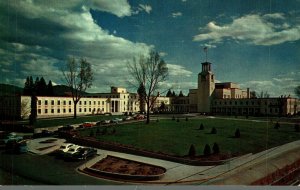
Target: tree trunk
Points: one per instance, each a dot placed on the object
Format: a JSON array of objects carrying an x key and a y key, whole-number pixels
[
  {"x": 75, "y": 110},
  {"x": 148, "y": 114}
]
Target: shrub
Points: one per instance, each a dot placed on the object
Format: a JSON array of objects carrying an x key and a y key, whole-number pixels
[
  {"x": 177, "y": 119},
  {"x": 92, "y": 133},
  {"x": 173, "y": 118},
  {"x": 277, "y": 125},
  {"x": 104, "y": 131},
  {"x": 186, "y": 118},
  {"x": 192, "y": 151},
  {"x": 297, "y": 128},
  {"x": 97, "y": 131},
  {"x": 113, "y": 131},
  {"x": 237, "y": 133},
  {"x": 201, "y": 127},
  {"x": 213, "y": 131},
  {"x": 157, "y": 120},
  {"x": 216, "y": 149},
  {"x": 207, "y": 150}
]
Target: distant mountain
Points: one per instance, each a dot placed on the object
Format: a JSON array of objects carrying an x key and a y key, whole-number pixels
[
  {"x": 59, "y": 90},
  {"x": 8, "y": 89}
]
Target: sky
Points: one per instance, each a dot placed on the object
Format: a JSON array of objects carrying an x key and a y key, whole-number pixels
[{"x": 255, "y": 43}]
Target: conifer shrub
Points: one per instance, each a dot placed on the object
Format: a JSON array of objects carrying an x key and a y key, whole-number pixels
[
  {"x": 192, "y": 151},
  {"x": 92, "y": 133},
  {"x": 207, "y": 150},
  {"x": 216, "y": 149},
  {"x": 237, "y": 133},
  {"x": 173, "y": 118},
  {"x": 201, "y": 127},
  {"x": 213, "y": 130},
  {"x": 186, "y": 118},
  {"x": 277, "y": 125},
  {"x": 178, "y": 120},
  {"x": 297, "y": 128}
]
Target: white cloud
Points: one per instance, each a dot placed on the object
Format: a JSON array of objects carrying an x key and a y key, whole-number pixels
[
  {"x": 280, "y": 85},
  {"x": 255, "y": 29},
  {"x": 69, "y": 29},
  {"x": 176, "y": 14},
  {"x": 178, "y": 70},
  {"x": 163, "y": 54},
  {"x": 146, "y": 8}
]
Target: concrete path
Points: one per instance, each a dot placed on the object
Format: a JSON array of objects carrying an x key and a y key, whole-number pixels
[{"x": 36, "y": 144}]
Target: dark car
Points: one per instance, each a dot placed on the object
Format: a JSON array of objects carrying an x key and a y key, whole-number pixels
[
  {"x": 44, "y": 133},
  {"x": 14, "y": 146},
  {"x": 66, "y": 128},
  {"x": 84, "y": 153}
]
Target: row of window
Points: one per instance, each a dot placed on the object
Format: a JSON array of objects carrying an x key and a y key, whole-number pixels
[
  {"x": 69, "y": 110},
  {"x": 229, "y": 96},
  {"x": 236, "y": 103},
  {"x": 64, "y": 102}
]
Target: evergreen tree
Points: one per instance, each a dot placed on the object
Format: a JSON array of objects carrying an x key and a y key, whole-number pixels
[
  {"x": 37, "y": 86},
  {"x": 142, "y": 97},
  {"x": 207, "y": 150},
  {"x": 213, "y": 131},
  {"x": 169, "y": 93},
  {"x": 50, "y": 91},
  {"x": 42, "y": 87},
  {"x": 297, "y": 128},
  {"x": 216, "y": 149},
  {"x": 26, "y": 89},
  {"x": 173, "y": 94},
  {"x": 31, "y": 86},
  {"x": 192, "y": 151},
  {"x": 201, "y": 127},
  {"x": 181, "y": 94},
  {"x": 237, "y": 133}
]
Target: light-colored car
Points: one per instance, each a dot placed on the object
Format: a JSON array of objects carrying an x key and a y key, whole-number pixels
[
  {"x": 65, "y": 147},
  {"x": 12, "y": 137},
  {"x": 128, "y": 118},
  {"x": 72, "y": 150}
]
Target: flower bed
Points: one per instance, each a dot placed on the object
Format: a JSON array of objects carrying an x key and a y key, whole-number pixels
[{"x": 121, "y": 168}]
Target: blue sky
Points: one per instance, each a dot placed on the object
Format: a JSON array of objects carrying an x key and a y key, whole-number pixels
[{"x": 253, "y": 43}]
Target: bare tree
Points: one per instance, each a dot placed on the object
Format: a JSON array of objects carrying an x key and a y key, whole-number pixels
[
  {"x": 148, "y": 72},
  {"x": 264, "y": 94},
  {"x": 79, "y": 78},
  {"x": 25, "y": 108}
]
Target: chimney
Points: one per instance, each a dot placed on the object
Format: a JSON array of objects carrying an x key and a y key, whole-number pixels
[{"x": 248, "y": 93}]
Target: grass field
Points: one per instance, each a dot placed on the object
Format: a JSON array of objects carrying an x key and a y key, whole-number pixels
[
  {"x": 176, "y": 137},
  {"x": 64, "y": 121}
]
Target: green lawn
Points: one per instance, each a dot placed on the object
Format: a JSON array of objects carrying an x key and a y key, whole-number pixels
[
  {"x": 176, "y": 137},
  {"x": 51, "y": 122}
]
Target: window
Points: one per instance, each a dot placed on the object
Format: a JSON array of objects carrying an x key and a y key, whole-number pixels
[
  {"x": 90, "y": 103},
  {"x": 90, "y": 109},
  {"x": 79, "y": 109},
  {"x": 102, "y": 109},
  {"x": 46, "y": 110},
  {"x": 52, "y": 102},
  {"x": 235, "y": 102},
  {"x": 64, "y": 110},
  {"x": 70, "y": 102},
  {"x": 52, "y": 110},
  {"x": 58, "y": 102},
  {"x": 102, "y": 103},
  {"x": 84, "y": 102},
  {"x": 98, "y": 102},
  {"x": 58, "y": 110},
  {"x": 246, "y": 102},
  {"x": 40, "y": 102},
  {"x": 79, "y": 102},
  {"x": 241, "y": 103},
  {"x": 65, "y": 102},
  {"x": 84, "y": 109},
  {"x": 124, "y": 96},
  {"x": 70, "y": 110},
  {"x": 46, "y": 102},
  {"x": 94, "y": 102},
  {"x": 39, "y": 111}
]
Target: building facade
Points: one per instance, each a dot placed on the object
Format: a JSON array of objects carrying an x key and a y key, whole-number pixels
[{"x": 225, "y": 98}]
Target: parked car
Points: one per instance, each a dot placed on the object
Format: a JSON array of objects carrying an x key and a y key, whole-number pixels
[
  {"x": 64, "y": 148},
  {"x": 139, "y": 117},
  {"x": 87, "y": 124},
  {"x": 84, "y": 153},
  {"x": 44, "y": 133},
  {"x": 12, "y": 137},
  {"x": 116, "y": 120},
  {"x": 72, "y": 150},
  {"x": 66, "y": 128},
  {"x": 128, "y": 118},
  {"x": 14, "y": 146}
]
